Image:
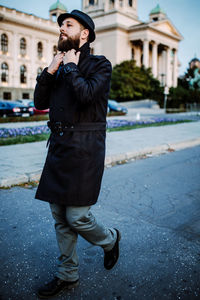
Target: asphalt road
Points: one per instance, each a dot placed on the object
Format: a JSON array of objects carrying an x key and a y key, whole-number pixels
[{"x": 155, "y": 202}]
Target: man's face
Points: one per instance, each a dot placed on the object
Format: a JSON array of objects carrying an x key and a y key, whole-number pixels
[{"x": 70, "y": 32}]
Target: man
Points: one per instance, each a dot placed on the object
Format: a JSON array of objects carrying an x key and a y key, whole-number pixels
[{"x": 75, "y": 87}]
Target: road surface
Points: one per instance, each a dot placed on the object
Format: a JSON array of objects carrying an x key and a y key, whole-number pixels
[{"x": 155, "y": 202}]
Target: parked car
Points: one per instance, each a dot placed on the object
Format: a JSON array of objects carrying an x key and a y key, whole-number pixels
[
  {"x": 37, "y": 111},
  {"x": 14, "y": 109},
  {"x": 116, "y": 107}
]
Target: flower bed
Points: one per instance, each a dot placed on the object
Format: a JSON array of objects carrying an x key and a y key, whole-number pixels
[
  {"x": 121, "y": 123},
  {"x": 37, "y": 130},
  {"x": 24, "y": 131}
]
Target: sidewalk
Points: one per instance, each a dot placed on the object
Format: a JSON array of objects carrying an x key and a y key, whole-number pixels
[{"x": 23, "y": 163}]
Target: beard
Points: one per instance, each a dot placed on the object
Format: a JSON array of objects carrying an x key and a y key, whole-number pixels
[{"x": 65, "y": 45}]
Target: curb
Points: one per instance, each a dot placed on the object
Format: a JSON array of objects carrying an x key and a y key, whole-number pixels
[
  {"x": 110, "y": 161},
  {"x": 145, "y": 152}
]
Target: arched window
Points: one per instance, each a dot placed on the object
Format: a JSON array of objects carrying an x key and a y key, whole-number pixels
[
  {"x": 40, "y": 50},
  {"x": 39, "y": 71},
  {"x": 22, "y": 46},
  {"x": 4, "y": 43},
  {"x": 23, "y": 74},
  {"x": 54, "y": 50},
  {"x": 4, "y": 72}
]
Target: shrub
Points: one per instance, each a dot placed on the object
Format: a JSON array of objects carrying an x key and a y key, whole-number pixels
[{"x": 130, "y": 82}]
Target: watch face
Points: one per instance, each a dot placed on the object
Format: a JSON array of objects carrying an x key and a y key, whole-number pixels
[{"x": 67, "y": 69}]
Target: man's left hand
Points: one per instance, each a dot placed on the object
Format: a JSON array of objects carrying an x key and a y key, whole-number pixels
[{"x": 71, "y": 56}]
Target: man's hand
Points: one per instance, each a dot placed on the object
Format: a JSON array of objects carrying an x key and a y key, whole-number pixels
[
  {"x": 53, "y": 67},
  {"x": 71, "y": 56}
]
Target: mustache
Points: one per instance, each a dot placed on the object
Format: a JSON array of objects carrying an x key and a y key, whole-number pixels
[{"x": 63, "y": 34}]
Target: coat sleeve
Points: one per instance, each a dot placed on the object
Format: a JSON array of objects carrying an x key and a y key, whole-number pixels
[
  {"x": 86, "y": 90},
  {"x": 43, "y": 90}
]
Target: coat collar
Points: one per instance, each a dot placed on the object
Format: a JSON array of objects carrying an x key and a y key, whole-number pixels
[{"x": 85, "y": 51}]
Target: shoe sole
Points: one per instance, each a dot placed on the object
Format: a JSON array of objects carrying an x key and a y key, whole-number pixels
[
  {"x": 69, "y": 287},
  {"x": 119, "y": 234}
]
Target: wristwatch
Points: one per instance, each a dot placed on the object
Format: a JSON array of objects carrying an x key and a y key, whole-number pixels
[{"x": 67, "y": 69}]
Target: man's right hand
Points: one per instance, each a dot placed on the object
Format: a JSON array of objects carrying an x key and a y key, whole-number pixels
[{"x": 53, "y": 67}]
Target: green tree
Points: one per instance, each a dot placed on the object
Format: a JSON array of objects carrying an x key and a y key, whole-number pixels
[{"x": 130, "y": 82}]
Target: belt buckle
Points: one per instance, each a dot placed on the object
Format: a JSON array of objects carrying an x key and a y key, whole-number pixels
[{"x": 58, "y": 128}]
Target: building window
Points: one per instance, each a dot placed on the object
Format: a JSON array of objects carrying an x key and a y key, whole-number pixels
[
  {"x": 54, "y": 50},
  {"x": 112, "y": 3},
  {"x": 40, "y": 50},
  {"x": 39, "y": 71},
  {"x": 23, "y": 46},
  {"x": 155, "y": 19},
  {"x": 23, "y": 74},
  {"x": 4, "y": 43},
  {"x": 25, "y": 95},
  {"x": 130, "y": 2},
  {"x": 7, "y": 96},
  {"x": 4, "y": 72},
  {"x": 91, "y": 2},
  {"x": 132, "y": 54}
]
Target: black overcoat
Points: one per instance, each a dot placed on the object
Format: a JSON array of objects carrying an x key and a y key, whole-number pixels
[{"x": 75, "y": 94}]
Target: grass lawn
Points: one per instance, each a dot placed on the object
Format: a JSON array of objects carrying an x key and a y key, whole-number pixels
[
  {"x": 24, "y": 119},
  {"x": 45, "y": 136},
  {"x": 24, "y": 139}
]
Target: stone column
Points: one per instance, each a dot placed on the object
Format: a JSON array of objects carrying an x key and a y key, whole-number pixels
[
  {"x": 33, "y": 56},
  {"x": 16, "y": 66},
  {"x": 106, "y": 5},
  {"x": 175, "y": 69},
  {"x": 155, "y": 59},
  {"x": 146, "y": 53},
  {"x": 116, "y": 4},
  {"x": 138, "y": 56},
  {"x": 168, "y": 69}
]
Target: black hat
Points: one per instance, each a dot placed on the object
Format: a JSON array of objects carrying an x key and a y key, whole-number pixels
[{"x": 82, "y": 18}]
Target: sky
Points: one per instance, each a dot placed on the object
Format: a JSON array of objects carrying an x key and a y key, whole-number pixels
[{"x": 184, "y": 14}]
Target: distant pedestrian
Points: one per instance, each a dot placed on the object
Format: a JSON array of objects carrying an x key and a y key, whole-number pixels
[{"x": 75, "y": 87}]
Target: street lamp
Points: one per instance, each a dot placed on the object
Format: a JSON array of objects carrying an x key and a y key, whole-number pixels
[
  {"x": 166, "y": 92},
  {"x": 162, "y": 75}
]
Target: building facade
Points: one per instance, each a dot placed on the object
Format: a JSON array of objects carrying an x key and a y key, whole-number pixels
[
  {"x": 28, "y": 43},
  {"x": 121, "y": 36}
]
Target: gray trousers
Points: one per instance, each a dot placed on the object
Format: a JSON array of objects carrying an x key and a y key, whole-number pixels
[{"x": 69, "y": 222}]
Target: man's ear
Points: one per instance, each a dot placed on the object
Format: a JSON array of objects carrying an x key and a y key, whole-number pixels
[{"x": 85, "y": 34}]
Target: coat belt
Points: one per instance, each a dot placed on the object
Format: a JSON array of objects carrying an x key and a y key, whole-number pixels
[{"x": 61, "y": 127}]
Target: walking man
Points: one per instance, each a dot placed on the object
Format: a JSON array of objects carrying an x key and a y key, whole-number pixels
[{"x": 75, "y": 87}]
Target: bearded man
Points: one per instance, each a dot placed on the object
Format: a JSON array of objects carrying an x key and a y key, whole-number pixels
[{"x": 75, "y": 87}]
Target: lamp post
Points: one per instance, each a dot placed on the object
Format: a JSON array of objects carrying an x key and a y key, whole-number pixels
[
  {"x": 166, "y": 92},
  {"x": 162, "y": 75}
]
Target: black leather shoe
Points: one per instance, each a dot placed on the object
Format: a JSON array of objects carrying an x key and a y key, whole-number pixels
[
  {"x": 55, "y": 287},
  {"x": 111, "y": 257}
]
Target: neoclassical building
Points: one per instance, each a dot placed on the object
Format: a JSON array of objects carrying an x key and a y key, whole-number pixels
[
  {"x": 121, "y": 36},
  {"x": 28, "y": 43}
]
